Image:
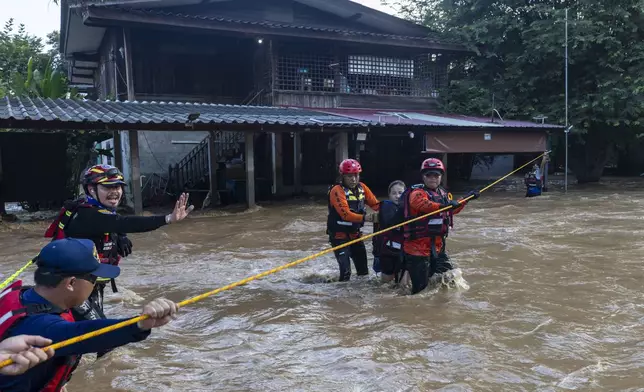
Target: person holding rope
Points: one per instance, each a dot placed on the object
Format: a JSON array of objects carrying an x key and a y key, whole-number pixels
[
  {"x": 347, "y": 214},
  {"x": 424, "y": 246},
  {"x": 13, "y": 296},
  {"x": 66, "y": 276},
  {"x": 94, "y": 217},
  {"x": 535, "y": 179},
  {"x": 25, "y": 353}
]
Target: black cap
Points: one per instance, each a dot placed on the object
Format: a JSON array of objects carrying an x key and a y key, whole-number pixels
[{"x": 72, "y": 256}]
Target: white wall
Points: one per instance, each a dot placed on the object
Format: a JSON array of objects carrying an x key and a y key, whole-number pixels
[{"x": 156, "y": 152}]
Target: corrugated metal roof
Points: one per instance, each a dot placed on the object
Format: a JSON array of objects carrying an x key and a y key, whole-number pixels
[
  {"x": 426, "y": 118},
  {"x": 85, "y": 112}
]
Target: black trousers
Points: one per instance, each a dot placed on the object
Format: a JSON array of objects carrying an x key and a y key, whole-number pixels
[
  {"x": 390, "y": 263},
  {"x": 356, "y": 252},
  {"x": 422, "y": 268}
]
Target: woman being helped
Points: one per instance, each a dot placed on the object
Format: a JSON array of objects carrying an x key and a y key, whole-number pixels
[{"x": 387, "y": 246}]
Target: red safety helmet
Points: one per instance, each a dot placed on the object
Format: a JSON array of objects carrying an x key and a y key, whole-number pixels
[
  {"x": 432, "y": 164},
  {"x": 350, "y": 166},
  {"x": 103, "y": 175}
]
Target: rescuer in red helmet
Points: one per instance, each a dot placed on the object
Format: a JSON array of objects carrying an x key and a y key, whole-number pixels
[
  {"x": 347, "y": 214},
  {"x": 424, "y": 250}
]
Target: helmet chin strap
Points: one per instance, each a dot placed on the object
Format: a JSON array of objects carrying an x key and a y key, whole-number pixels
[
  {"x": 432, "y": 188},
  {"x": 98, "y": 199}
]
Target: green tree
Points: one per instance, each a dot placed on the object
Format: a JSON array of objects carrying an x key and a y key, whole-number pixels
[
  {"x": 518, "y": 57},
  {"x": 44, "y": 83},
  {"x": 16, "y": 48},
  {"x": 53, "y": 41}
]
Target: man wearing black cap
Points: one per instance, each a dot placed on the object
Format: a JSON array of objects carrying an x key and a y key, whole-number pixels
[{"x": 66, "y": 274}]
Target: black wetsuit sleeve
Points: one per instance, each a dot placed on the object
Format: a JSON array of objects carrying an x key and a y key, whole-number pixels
[{"x": 91, "y": 221}]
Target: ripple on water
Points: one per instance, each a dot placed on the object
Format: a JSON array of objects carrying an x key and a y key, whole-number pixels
[{"x": 554, "y": 303}]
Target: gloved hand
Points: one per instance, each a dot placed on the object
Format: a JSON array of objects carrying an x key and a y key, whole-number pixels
[
  {"x": 453, "y": 204},
  {"x": 475, "y": 194},
  {"x": 123, "y": 245}
]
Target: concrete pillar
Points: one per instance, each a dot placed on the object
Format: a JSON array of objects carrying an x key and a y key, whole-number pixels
[
  {"x": 250, "y": 169},
  {"x": 133, "y": 136},
  {"x": 341, "y": 147},
  {"x": 212, "y": 165},
  {"x": 445, "y": 175},
  {"x": 135, "y": 167},
  {"x": 297, "y": 161},
  {"x": 125, "y": 168},
  {"x": 278, "y": 164}
]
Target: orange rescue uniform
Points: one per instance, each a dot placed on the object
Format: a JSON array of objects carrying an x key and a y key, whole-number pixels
[
  {"x": 420, "y": 204},
  {"x": 338, "y": 201}
]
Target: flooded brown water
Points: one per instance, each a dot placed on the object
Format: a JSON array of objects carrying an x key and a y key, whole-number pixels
[{"x": 554, "y": 303}]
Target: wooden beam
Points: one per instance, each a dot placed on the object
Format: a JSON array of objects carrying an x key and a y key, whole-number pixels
[
  {"x": 133, "y": 136},
  {"x": 85, "y": 58},
  {"x": 113, "y": 64},
  {"x": 82, "y": 80},
  {"x": 129, "y": 73},
  {"x": 82, "y": 72},
  {"x": 109, "y": 17},
  {"x": 114, "y": 91},
  {"x": 86, "y": 64},
  {"x": 250, "y": 169}
]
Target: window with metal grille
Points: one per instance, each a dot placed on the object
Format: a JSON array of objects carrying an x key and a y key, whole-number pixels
[
  {"x": 381, "y": 66},
  {"x": 420, "y": 76}
]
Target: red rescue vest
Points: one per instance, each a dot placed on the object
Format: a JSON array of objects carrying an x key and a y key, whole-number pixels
[
  {"x": 436, "y": 225},
  {"x": 12, "y": 310}
]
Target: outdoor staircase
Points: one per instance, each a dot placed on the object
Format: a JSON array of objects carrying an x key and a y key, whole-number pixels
[
  {"x": 192, "y": 173},
  {"x": 155, "y": 190}
]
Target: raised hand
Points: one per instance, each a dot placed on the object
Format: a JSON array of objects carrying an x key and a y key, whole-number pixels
[{"x": 181, "y": 209}]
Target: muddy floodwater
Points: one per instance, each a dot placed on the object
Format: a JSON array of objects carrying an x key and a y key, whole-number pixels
[{"x": 555, "y": 303}]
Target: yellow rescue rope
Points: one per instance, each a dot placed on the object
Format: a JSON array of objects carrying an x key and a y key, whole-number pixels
[
  {"x": 15, "y": 275},
  {"x": 242, "y": 282}
]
